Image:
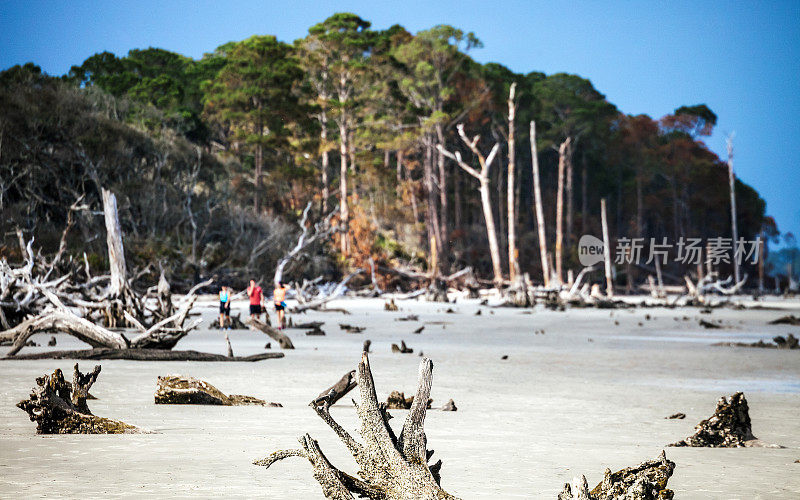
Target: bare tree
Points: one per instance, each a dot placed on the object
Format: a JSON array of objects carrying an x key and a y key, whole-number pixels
[
  {"x": 537, "y": 197},
  {"x": 732, "y": 183},
  {"x": 563, "y": 150},
  {"x": 483, "y": 178},
  {"x": 513, "y": 265},
  {"x": 606, "y": 250}
]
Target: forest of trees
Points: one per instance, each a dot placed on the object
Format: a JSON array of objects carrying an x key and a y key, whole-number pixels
[{"x": 213, "y": 160}]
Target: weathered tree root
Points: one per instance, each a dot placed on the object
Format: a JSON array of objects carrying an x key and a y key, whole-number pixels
[
  {"x": 178, "y": 390},
  {"x": 779, "y": 342},
  {"x": 646, "y": 481},
  {"x": 728, "y": 427},
  {"x": 59, "y": 407},
  {"x": 390, "y": 467}
]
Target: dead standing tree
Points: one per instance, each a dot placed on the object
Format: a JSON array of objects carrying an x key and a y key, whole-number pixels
[
  {"x": 562, "y": 160},
  {"x": 121, "y": 296},
  {"x": 537, "y": 192},
  {"x": 390, "y": 467},
  {"x": 513, "y": 265},
  {"x": 486, "y": 202}
]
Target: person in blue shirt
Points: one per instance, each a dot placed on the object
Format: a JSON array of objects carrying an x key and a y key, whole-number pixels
[{"x": 224, "y": 307}]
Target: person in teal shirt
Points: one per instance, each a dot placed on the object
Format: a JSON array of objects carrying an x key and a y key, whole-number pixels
[{"x": 224, "y": 307}]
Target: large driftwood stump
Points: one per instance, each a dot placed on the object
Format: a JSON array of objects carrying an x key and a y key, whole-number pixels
[
  {"x": 59, "y": 407},
  {"x": 728, "y": 427},
  {"x": 282, "y": 340},
  {"x": 646, "y": 481},
  {"x": 179, "y": 390},
  {"x": 390, "y": 467}
]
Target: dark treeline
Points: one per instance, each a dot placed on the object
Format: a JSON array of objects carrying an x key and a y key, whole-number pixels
[{"x": 214, "y": 159}]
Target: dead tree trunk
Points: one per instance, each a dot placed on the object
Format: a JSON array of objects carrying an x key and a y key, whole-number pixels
[
  {"x": 59, "y": 407},
  {"x": 345, "y": 211},
  {"x": 606, "y": 250},
  {"x": 483, "y": 178},
  {"x": 390, "y": 467},
  {"x": 732, "y": 185},
  {"x": 513, "y": 265},
  {"x": 562, "y": 160},
  {"x": 282, "y": 340},
  {"x": 537, "y": 197},
  {"x": 121, "y": 296}
]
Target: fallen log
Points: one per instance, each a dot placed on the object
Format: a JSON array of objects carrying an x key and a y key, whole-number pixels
[
  {"x": 390, "y": 467},
  {"x": 179, "y": 390},
  {"x": 728, "y": 427},
  {"x": 779, "y": 342},
  {"x": 282, "y": 340},
  {"x": 142, "y": 355},
  {"x": 786, "y": 320},
  {"x": 59, "y": 407},
  {"x": 646, "y": 481}
]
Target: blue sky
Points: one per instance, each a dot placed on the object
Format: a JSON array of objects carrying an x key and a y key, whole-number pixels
[{"x": 740, "y": 58}]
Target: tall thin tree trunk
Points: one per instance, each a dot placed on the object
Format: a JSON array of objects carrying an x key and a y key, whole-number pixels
[
  {"x": 569, "y": 195},
  {"x": 443, "y": 227},
  {"x": 344, "y": 209},
  {"x": 457, "y": 216},
  {"x": 399, "y": 167},
  {"x": 562, "y": 160},
  {"x": 584, "y": 197},
  {"x": 537, "y": 197},
  {"x": 606, "y": 250},
  {"x": 513, "y": 266},
  {"x": 491, "y": 232},
  {"x": 732, "y": 185},
  {"x": 325, "y": 161},
  {"x": 432, "y": 223},
  {"x": 760, "y": 264},
  {"x": 259, "y": 165}
]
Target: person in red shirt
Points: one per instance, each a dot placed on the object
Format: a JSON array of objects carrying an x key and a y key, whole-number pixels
[{"x": 256, "y": 298}]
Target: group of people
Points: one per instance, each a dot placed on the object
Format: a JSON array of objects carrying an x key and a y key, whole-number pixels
[{"x": 257, "y": 303}]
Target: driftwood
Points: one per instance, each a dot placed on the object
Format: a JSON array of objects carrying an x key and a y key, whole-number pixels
[
  {"x": 398, "y": 401},
  {"x": 351, "y": 328},
  {"x": 390, "y": 306},
  {"x": 59, "y": 407},
  {"x": 282, "y": 340},
  {"x": 450, "y": 406},
  {"x": 320, "y": 231},
  {"x": 319, "y": 302},
  {"x": 402, "y": 348},
  {"x": 779, "y": 342},
  {"x": 786, "y": 320},
  {"x": 646, "y": 481},
  {"x": 390, "y": 467},
  {"x": 179, "y": 390},
  {"x": 728, "y": 427},
  {"x": 337, "y": 391},
  {"x": 142, "y": 355},
  {"x": 232, "y": 323}
]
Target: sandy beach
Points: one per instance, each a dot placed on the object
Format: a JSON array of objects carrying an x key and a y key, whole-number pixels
[{"x": 585, "y": 395}]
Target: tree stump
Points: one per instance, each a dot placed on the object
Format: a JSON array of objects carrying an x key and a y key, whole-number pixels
[
  {"x": 178, "y": 390},
  {"x": 728, "y": 427},
  {"x": 390, "y": 467},
  {"x": 646, "y": 481},
  {"x": 59, "y": 407}
]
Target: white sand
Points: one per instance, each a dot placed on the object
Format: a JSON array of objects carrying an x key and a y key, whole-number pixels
[{"x": 585, "y": 396}]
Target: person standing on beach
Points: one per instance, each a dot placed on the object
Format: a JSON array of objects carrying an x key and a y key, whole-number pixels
[
  {"x": 279, "y": 298},
  {"x": 224, "y": 307},
  {"x": 256, "y": 298}
]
